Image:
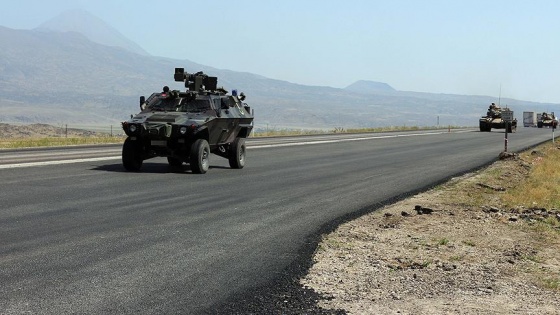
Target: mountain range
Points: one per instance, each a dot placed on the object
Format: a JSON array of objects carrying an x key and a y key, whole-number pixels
[{"x": 76, "y": 69}]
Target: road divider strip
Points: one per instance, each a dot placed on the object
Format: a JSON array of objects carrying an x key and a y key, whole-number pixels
[{"x": 346, "y": 140}]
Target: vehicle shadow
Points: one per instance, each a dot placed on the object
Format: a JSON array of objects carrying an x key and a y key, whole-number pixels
[{"x": 153, "y": 168}]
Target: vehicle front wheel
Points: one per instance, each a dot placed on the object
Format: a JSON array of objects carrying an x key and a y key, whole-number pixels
[
  {"x": 132, "y": 155},
  {"x": 200, "y": 156},
  {"x": 237, "y": 153}
]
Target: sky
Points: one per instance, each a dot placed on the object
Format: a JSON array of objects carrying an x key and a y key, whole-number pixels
[{"x": 507, "y": 49}]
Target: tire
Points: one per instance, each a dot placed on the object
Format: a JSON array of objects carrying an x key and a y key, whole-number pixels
[
  {"x": 540, "y": 124},
  {"x": 132, "y": 155},
  {"x": 200, "y": 156},
  {"x": 237, "y": 153},
  {"x": 174, "y": 162}
]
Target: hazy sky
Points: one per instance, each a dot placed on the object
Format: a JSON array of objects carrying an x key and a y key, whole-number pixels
[{"x": 437, "y": 46}]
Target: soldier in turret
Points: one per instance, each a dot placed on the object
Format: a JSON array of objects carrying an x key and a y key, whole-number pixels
[
  {"x": 165, "y": 91},
  {"x": 493, "y": 110}
]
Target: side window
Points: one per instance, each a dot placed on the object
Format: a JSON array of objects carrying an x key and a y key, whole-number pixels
[
  {"x": 217, "y": 103},
  {"x": 225, "y": 103}
]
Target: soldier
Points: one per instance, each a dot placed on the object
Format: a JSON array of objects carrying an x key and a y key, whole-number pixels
[{"x": 165, "y": 91}]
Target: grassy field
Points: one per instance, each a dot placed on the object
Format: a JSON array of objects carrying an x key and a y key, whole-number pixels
[
  {"x": 56, "y": 141},
  {"x": 541, "y": 188}
]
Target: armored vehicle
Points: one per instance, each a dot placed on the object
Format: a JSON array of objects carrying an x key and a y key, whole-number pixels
[
  {"x": 493, "y": 119},
  {"x": 187, "y": 126},
  {"x": 547, "y": 120}
]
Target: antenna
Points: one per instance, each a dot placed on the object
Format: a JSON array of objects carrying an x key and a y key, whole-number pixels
[{"x": 500, "y": 95}]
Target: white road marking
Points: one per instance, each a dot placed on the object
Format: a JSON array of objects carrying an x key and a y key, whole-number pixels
[{"x": 45, "y": 163}]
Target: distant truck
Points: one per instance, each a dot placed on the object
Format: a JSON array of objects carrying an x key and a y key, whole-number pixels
[{"x": 529, "y": 119}]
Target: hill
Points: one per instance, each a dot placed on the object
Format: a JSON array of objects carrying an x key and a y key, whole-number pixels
[
  {"x": 363, "y": 86},
  {"x": 50, "y": 75},
  {"x": 92, "y": 27}
]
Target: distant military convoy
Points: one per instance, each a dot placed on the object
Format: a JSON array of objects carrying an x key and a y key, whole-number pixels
[
  {"x": 540, "y": 120},
  {"x": 495, "y": 118}
]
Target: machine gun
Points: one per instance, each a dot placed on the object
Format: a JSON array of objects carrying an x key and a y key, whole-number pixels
[{"x": 196, "y": 82}]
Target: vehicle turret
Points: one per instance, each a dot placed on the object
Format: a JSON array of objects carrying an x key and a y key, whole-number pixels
[{"x": 196, "y": 81}]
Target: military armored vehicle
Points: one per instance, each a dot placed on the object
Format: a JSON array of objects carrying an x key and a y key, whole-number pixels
[
  {"x": 493, "y": 119},
  {"x": 547, "y": 120},
  {"x": 187, "y": 126}
]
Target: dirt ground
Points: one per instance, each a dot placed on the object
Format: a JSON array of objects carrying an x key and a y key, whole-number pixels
[
  {"x": 9, "y": 131},
  {"x": 451, "y": 250}
]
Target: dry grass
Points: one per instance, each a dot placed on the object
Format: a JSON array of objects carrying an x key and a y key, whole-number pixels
[
  {"x": 542, "y": 186},
  {"x": 55, "y": 141}
]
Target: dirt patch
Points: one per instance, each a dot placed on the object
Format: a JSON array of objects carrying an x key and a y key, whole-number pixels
[
  {"x": 451, "y": 250},
  {"x": 9, "y": 131}
]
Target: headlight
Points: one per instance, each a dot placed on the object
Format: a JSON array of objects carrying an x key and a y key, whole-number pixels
[
  {"x": 132, "y": 128},
  {"x": 183, "y": 130}
]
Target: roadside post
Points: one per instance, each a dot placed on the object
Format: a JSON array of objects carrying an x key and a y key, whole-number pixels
[
  {"x": 507, "y": 116},
  {"x": 554, "y": 123}
]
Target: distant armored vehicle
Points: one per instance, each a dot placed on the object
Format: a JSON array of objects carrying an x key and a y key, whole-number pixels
[
  {"x": 493, "y": 119},
  {"x": 547, "y": 120},
  {"x": 187, "y": 126}
]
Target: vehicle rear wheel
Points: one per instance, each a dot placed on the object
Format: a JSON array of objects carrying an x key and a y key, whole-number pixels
[
  {"x": 175, "y": 162},
  {"x": 200, "y": 156},
  {"x": 132, "y": 155},
  {"x": 237, "y": 153}
]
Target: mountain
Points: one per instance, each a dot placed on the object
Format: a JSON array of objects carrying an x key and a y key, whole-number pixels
[
  {"x": 363, "y": 86},
  {"x": 59, "y": 77},
  {"x": 92, "y": 27}
]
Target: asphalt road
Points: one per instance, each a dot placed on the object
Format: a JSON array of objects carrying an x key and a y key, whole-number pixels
[{"x": 78, "y": 234}]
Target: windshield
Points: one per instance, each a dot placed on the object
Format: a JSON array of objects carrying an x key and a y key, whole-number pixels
[
  {"x": 163, "y": 103},
  {"x": 196, "y": 105},
  {"x": 178, "y": 104}
]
